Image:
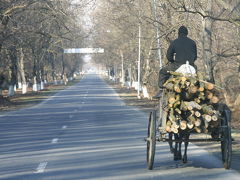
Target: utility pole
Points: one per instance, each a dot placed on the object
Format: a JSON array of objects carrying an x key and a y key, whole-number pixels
[
  {"x": 139, "y": 57},
  {"x": 123, "y": 74},
  {"x": 139, "y": 50},
  {"x": 158, "y": 34}
]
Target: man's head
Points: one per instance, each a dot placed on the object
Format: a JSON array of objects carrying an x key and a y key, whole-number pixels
[{"x": 183, "y": 31}]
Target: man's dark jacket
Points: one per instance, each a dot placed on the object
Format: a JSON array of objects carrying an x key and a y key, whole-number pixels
[{"x": 184, "y": 50}]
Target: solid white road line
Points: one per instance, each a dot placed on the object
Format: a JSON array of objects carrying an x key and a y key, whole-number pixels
[{"x": 41, "y": 167}]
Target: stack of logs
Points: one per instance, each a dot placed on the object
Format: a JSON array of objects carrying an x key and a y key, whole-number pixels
[{"x": 192, "y": 104}]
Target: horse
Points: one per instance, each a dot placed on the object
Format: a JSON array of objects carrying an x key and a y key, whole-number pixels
[{"x": 180, "y": 137}]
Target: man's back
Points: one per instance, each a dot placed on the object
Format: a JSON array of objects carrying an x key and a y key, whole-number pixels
[{"x": 184, "y": 50}]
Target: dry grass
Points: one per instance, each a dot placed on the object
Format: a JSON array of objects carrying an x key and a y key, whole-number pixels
[{"x": 29, "y": 99}]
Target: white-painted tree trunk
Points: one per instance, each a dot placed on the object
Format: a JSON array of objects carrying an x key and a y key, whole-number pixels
[
  {"x": 123, "y": 72},
  {"x": 65, "y": 81},
  {"x": 145, "y": 92},
  {"x": 35, "y": 84},
  {"x": 35, "y": 87},
  {"x": 11, "y": 91},
  {"x": 19, "y": 85},
  {"x": 127, "y": 84},
  {"x": 23, "y": 84},
  {"x": 55, "y": 82},
  {"x": 24, "y": 88},
  {"x": 42, "y": 85},
  {"x": 38, "y": 87}
]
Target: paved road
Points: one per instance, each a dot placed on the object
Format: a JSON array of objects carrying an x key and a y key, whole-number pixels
[{"x": 87, "y": 132}]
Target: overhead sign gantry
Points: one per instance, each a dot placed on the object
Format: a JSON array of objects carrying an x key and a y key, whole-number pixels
[{"x": 83, "y": 50}]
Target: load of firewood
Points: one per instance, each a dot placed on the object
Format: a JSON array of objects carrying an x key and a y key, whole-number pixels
[{"x": 191, "y": 104}]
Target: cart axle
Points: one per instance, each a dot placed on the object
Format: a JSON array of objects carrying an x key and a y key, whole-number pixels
[{"x": 189, "y": 140}]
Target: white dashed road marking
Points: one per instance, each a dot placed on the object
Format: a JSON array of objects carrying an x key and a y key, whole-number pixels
[
  {"x": 64, "y": 127},
  {"x": 55, "y": 140},
  {"x": 41, "y": 167}
]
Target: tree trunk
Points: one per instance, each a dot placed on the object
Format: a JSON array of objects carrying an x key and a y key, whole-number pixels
[
  {"x": 36, "y": 76},
  {"x": 207, "y": 42},
  {"x": 13, "y": 71},
  {"x": 123, "y": 73},
  {"x": 22, "y": 72}
]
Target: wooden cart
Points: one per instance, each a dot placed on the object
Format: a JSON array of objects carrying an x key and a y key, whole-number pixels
[{"x": 157, "y": 132}]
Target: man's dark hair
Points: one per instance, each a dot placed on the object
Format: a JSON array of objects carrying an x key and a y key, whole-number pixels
[{"x": 183, "y": 30}]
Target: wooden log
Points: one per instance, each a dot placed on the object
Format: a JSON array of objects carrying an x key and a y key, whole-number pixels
[
  {"x": 207, "y": 117},
  {"x": 197, "y": 100},
  {"x": 190, "y": 125},
  {"x": 198, "y": 129},
  {"x": 183, "y": 79},
  {"x": 174, "y": 130},
  {"x": 177, "y": 88},
  {"x": 206, "y": 123},
  {"x": 175, "y": 124},
  {"x": 192, "y": 89},
  {"x": 176, "y": 104},
  {"x": 209, "y": 95},
  {"x": 183, "y": 125},
  {"x": 183, "y": 106},
  {"x": 201, "y": 86},
  {"x": 168, "y": 129},
  {"x": 168, "y": 126},
  {"x": 197, "y": 114},
  {"x": 207, "y": 109},
  {"x": 214, "y": 118},
  {"x": 171, "y": 100},
  {"x": 169, "y": 86},
  {"x": 178, "y": 110},
  {"x": 197, "y": 122},
  {"x": 171, "y": 116},
  {"x": 175, "y": 73},
  {"x": 214, "y": 100},
  {"x": 201, "y": 96},
  {"x": 192, "y": 104},
  {"x": 191, "y": 118},
  {"x": 209, "y": 86}
]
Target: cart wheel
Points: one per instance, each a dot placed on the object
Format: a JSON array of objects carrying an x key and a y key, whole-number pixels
[
  {"x": 151, "y": 139},
  {"x": 226, "y": 143}
]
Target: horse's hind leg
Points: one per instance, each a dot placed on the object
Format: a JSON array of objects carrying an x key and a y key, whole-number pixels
[
  {"x": 185, "y": 150},
  {"x": 171, "y": 143},
  {"x": 177, "y": 149}
]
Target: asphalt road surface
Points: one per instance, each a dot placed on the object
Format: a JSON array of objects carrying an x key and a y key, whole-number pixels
[{"x": 87, "y": 132}]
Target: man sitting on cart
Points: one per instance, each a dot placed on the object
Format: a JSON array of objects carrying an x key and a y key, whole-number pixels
[{"x": 180, "y": 50}]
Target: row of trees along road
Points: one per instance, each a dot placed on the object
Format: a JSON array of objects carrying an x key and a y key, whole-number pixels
[
  {"x": 213, "y": 24},
  {"x": 33, "y": 34}
]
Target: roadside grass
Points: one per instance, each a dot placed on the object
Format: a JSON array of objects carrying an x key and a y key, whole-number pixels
[{"x": 31, "y": 98}]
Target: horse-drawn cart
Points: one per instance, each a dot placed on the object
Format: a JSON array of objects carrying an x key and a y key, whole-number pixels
[{"x": 173, "y": 122}]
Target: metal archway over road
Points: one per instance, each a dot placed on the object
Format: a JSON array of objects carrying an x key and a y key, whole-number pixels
[{"x": 83, "y": 51}]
